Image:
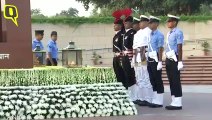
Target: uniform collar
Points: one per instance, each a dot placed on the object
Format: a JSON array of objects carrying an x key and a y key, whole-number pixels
[
  {"x": 118, "y": 31},
  {"x": 36, "y": 40},
  {"x": 173, "y": 30},
  {"x": 53, "y": 41},
  {"x": 128, "y": 29},
  {"x": 153, "y": 32}
]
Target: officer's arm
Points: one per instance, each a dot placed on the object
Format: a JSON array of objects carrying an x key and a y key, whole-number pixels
[
  {"x": 160, "y": 45},
  {"x": 180, "y": 45},
  {"x": 180, "y": 52},
  {"x": 49, "y": 56}
]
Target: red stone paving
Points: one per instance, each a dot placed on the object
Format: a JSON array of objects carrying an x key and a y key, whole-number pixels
[{"x": 196, "y": 107}]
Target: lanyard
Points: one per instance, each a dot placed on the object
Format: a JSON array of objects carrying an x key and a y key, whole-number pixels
[{"x": 168, "y": 34}]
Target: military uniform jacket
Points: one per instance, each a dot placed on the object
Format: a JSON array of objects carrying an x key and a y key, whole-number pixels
[
  {"x": 128, "y": 43},
  {"x": 117, "y": 42}
]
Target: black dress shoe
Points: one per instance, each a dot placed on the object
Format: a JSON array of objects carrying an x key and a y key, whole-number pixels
[
  {"x": 152, "y": 105},
  {"x": 143, "y": 103},
  {"x": 173, "y": 108},
  {"x": 136, "y": 102}
]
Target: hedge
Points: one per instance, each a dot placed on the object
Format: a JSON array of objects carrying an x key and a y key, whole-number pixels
[
  {"x": 106, "y": 20},
  {"x": 55, "y": 76}
]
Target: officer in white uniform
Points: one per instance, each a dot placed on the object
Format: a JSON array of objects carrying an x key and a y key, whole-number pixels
[{"x": 140, "y": 43}]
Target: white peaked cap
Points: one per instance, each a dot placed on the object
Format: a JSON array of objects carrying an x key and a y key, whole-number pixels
[
  {"x": 172, "y": 16},
  {"x": 153, "y": 17},
  {"x": 144, "y": 16},
  {"x": 136, "y": 19}
]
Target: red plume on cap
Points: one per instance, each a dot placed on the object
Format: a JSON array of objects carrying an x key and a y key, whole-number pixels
[
  {"x": 117, "y": 15},
  {"x": 127, "y": 13}
]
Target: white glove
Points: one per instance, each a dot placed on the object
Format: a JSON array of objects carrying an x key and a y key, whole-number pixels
[
  {"x": 180, "y": 65},
  {"x": 159, "y": 66}
]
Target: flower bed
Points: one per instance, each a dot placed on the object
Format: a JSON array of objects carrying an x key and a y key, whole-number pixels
[
  {"x": 72, "y": 101},
  {"x": 56, "y": 76}
]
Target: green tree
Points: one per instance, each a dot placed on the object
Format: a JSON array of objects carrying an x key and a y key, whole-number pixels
[
  {"x": 71, "y": 12},
  {"x": 154, "y": 7},
  {"x": 37, "y": 13}
]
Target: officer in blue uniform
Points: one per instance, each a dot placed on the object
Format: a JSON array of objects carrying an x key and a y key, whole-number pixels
[
  {"x": 52, "y": 50},
  {"x": 37, "y": 45},
  {"x": 155, "y": 50},
  {"x": 174, "y": 61}
]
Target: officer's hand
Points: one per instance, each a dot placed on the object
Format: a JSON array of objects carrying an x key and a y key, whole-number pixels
[
  {"x": 180, "y": 65},
  {"x": 159, "y": 66}
]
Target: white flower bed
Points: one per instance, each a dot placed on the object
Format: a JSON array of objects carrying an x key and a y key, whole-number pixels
[{"x": 73, "y": 101}]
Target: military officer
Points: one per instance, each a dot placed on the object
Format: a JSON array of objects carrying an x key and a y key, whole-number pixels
[
  {"x": 140, "y": 44},
  {"x": 127, "y": 48},
  {"x": 174, "y": 61},
  {"x": 117, "y": 49},
  {"x": 155, "y": 50}
]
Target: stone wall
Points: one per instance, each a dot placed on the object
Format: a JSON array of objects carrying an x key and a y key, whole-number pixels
[{"x": 98, "y": 36}]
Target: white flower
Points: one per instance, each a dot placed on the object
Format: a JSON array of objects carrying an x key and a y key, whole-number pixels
[
  {"x": 34, "y": 106},
  {"x": 5, "y": 107},
  {"x": 52, "y": 106},
  {"x": 7, "y": 103},
  {"x": 4, "y": 97},
  {"x": 77, "y": 97},
  {"x": 85, "y": 115},
  {"x": 130, "y": 112},
  {"x": 101, "y": 107},
  {"x": 74, "y": 115},
  {"x": 110, "y": 110},
  {"x": 62, "y": 112},
  {"x": 62, "y": 116},
  {"x": 41, "y": 101},
  {"x": 33, "y": 112},
  {"x": 16, "y": 91},
  {"x": 35, "y": 99},
  {"x": 103, "y": 115},
  {"x": 58, "y": 95},
  {"x": 124, "y": 108},
  {"x": 44, "y": 111},
  {"x": 126, "y": 112},
  {"x": 39, "y": 111},
  {"x": 63, "y": 96},
  {"x": 51, "y": 95},
  {"x": 48, "y": 116},
  {"x": 21, "y": 96},
  {"x": 51, "y": 111},
  {"x": 96, "y": 105},
  {"x": 23, "y": 117},
  {"x": 1, "y": 113},
  {"x": 68, "y": 100},
  {"x": 82, "y": 111},
  {"x": 93, "y": 109},
  {"x": 77, "y": 109},
  {"x": 114, "y": 113},
  {"x": 91, "y": 115},
  {"x": 12, "y": 96},
  {"x": 104, "y": 110},
  {"x": 17, "y": 107},
  {"x": 99, "y": 112},
  {"x": 7, "y": 114},
  {"x": 88, "y": 111},
  {"x": 54, "y": 99},
  {"x": 84, "y": 106},
  {"x": 68, "y": 110},
  {"x": 79, "y": 115},
  {"x": 1, "y": 101},
  {"x": 80, "y": 102},
  {"x": 120, "y": 113},
  {"x": 127, "y": 104},
  {"x": 25, "y": 103},
  {"x": 57, "y": 105},
  {"x": 11, "y": 106},
  {"x": 108, "y": 114},
  {"x": 129, "y": 108},
  {"x": 60, "y": 101},
  {"x": 68, "y": 115},
  {"x": 67, "y": 94},
  {"x": 29, "y": 117},
  {"x": 13, "y": 112}
]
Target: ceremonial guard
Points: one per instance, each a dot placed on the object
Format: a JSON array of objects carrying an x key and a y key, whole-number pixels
[
  {"x": 155, "y": 50},
  {"x": 117, "y": 47},
  {"x": 140, "y": 45},
  {"x": 174, "y": 61},
  {"x": 128, "y": 54}
]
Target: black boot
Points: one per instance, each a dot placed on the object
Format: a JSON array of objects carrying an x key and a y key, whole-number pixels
[
  {"x": 173, "y": 107},
  {"x": 152, "y": 105}
]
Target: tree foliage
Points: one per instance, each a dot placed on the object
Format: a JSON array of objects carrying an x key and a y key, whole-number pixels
[
  {"x": 155, "y": 7},
  {"x": 71, "y": 12},
  {"x": 37, "y": 13}
]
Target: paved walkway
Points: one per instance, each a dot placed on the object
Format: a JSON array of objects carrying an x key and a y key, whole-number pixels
[{"x": 197, "y": 103}]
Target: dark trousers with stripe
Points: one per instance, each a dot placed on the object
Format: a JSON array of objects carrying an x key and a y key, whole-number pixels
[
  {"x": 174, "y": 78},
  {"x": 48, "y": 62},
  {"x": 119, "y": 71},
  {"x": 128, "y": 71},
  {"x": 155, "y": 76}
]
